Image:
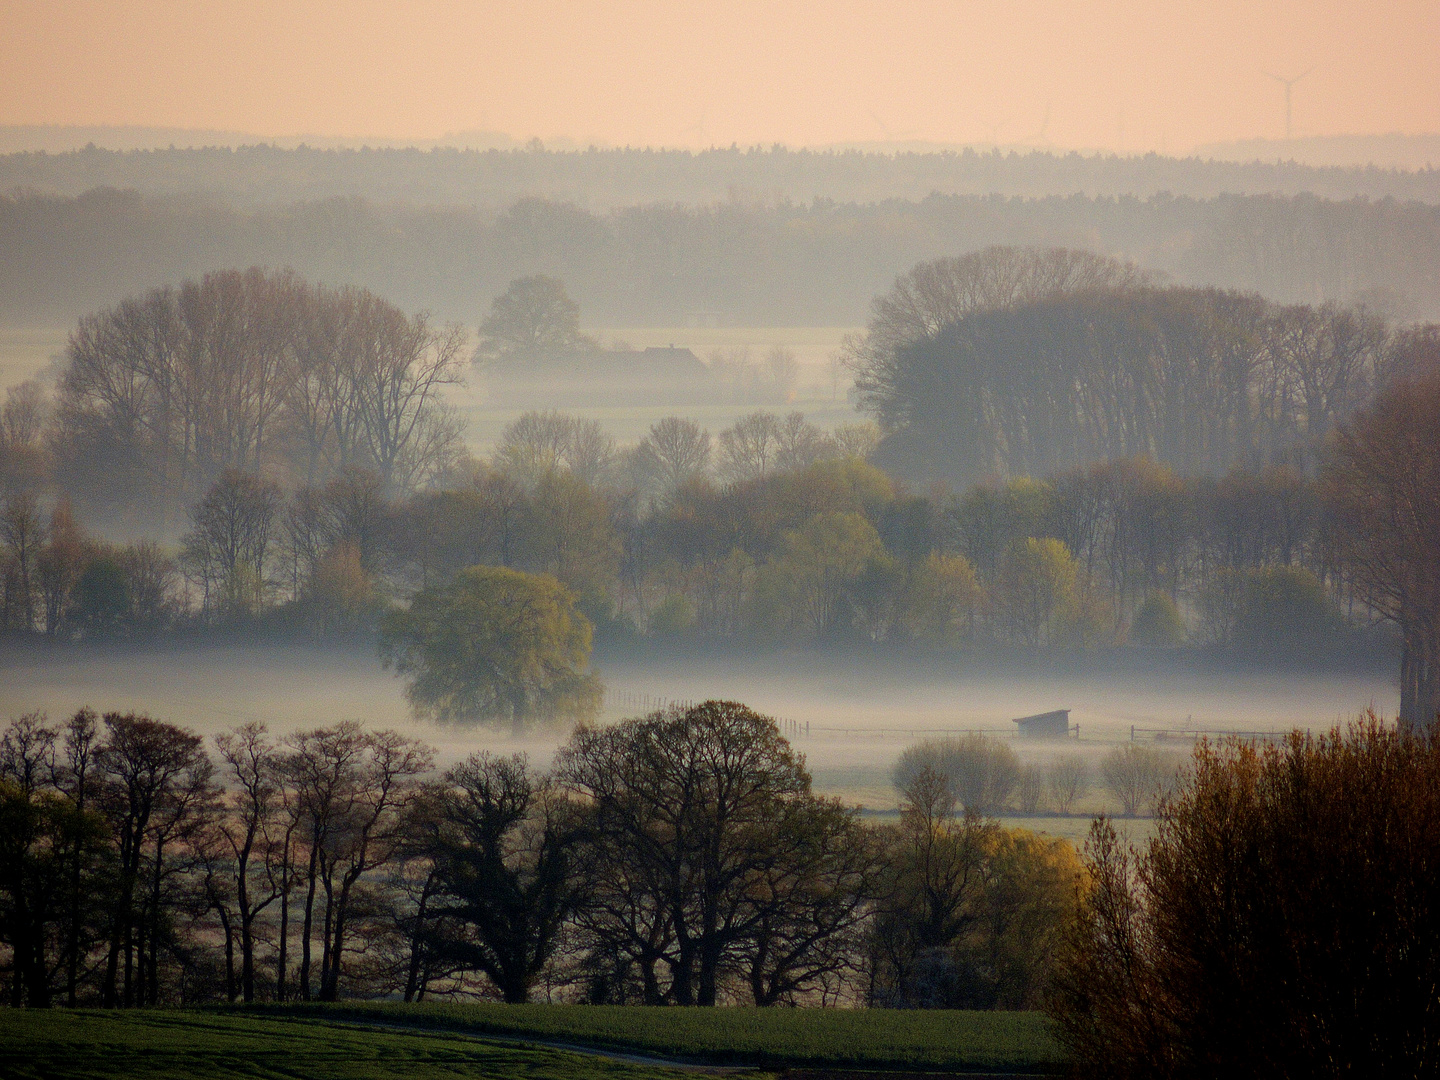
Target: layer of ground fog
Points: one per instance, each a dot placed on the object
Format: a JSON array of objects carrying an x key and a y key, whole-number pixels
[
  {"x": 850, "y": 715},
  {"x": 469, "y": 1040}
]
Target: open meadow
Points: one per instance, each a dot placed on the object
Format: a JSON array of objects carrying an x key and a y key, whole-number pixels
[
  {"x": 176, "y": 1045},
  {"x": 357, "y": 1041},
  {"x": 769, "y": 1038}
]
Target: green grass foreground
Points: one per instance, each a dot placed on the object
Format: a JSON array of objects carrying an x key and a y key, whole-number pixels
[
  {"x": 182, "y": 1045},
  {"x": 774, "y": 1038}
]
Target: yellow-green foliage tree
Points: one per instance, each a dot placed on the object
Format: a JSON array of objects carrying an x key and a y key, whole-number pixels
[
  {"x": 1036, "y": 594},
  {"x": 340, "y": 595},
  {"x": 942, "y": 597},
  {"x": 816, "y": 565},
  {"x": 972, "y": 915},
  {"x": 494, "y": 644}
]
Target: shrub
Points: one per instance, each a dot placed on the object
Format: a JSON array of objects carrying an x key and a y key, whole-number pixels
[
  {"x": 1278, "y": 606},
  {"x": 1158, "y": 623},
  {"x": 674, "y": 616},
  {"x": 1030, "y": 788},
  {"x": 1068, "y": 779},
  {"x": 980, "y": 773},
  {"x": 1138, "y": 776},
  {"x": 1281, "y": 923},
  {"x": 101, "y": 599}
]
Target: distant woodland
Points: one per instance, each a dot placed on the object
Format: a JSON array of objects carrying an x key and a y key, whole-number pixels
[
  {"x": 745, "y": 260},
  {"x": 1019, "y": 362},
  {"x": 1097, "y": 460},
  {"x": 601, "y": 179}
]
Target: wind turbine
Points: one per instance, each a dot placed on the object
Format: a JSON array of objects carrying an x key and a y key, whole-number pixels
[{"x": 1289, "y": 85}]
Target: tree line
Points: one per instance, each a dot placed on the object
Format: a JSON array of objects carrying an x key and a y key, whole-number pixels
[
  {"x": 774, "y": 532},
  {"x": 250, "y": 371},
  {"x": 748, "y": 262},
  {"x": 803, "y": 543},
  {"x": 1019, "y": 362},
  {"x": 319, "y": 473},
  {"x": 614, "y": 176},
  {"x": 676, "y": 858}
]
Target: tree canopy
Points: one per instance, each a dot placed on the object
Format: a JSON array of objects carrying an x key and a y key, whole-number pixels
[
  {"x": 1383, "y": 479},
  {"x": 494, "y": 644},
  {"x": 534, "y": 319}
]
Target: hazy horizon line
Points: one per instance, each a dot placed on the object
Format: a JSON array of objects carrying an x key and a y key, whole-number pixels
[{"x": 153, "y": 137}]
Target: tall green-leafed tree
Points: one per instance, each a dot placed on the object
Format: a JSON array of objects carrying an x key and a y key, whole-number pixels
[{"x": 494, "y": 644}]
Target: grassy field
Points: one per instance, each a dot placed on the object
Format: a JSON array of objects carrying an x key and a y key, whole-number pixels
[
  {"x": 771, "y": 1038},
  {"x": 158, "y": 1045}
]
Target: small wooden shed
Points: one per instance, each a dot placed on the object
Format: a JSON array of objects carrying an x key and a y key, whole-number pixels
[{"x": 1045, "y": 725}]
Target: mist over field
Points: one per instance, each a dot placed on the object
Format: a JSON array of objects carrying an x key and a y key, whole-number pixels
[
  {"x": 576, "y": 538},
  {"x": 861, "y": 712}
]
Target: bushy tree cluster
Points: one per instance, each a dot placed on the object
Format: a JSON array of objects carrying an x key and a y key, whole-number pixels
[
  {"x": 1279, "y": 923},
  {"x": 677, "y": 858},
  {"x": 254, "y": 372},
  {"x": 1021, "y": 362},
  {"x": 58, "y": 581},
  {"x": 783, "y": 535},
  {"x": 971, "y": 913}
]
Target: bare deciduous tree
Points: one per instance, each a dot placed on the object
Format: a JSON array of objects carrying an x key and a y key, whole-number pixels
[
  {"x": 673, "y": 453},
  {"x": 1383, "y": 482},
  {"x": 750, "y": 448}
]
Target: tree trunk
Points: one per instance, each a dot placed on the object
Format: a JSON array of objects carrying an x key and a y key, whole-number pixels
[
  {"x": 330, "y": 972},
  {"x": 226, "y": 929},
  {"x": 682, "y": 977},
  {"x": 150, "y": 977},
  {"x": 650, "y": 982},
  {"x": 283, "y": 959},
  {"x": 1419, "y": 678},
  {"x": 709, "y": 980},
  {"x": 247, "y": 941},
  {"x": 308, "y": 924},
  {"x": 327, "y": 944},
  {"x": 412, "y": 979}
]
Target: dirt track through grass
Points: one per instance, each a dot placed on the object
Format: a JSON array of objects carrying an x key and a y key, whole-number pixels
[
  {"x": 183, "y": 1045},
  {"x": 826, "y": 1039}
]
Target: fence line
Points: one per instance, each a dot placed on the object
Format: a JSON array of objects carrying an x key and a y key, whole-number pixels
[
  {"x": 908, "y": 733},
  {"x": 635, "y": 701},
  {"x": 1194, "y": 734}
]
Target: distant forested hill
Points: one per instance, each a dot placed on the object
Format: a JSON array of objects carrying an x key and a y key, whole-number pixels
[
  {"x": 602, "y": 179},
  {"x": 747, "y": 262}
]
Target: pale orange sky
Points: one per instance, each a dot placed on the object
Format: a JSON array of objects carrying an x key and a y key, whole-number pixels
[{"x": 1121, "y": 75}]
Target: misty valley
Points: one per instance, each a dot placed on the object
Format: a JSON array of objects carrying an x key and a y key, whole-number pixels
[{"x": 551, "y": 594}]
